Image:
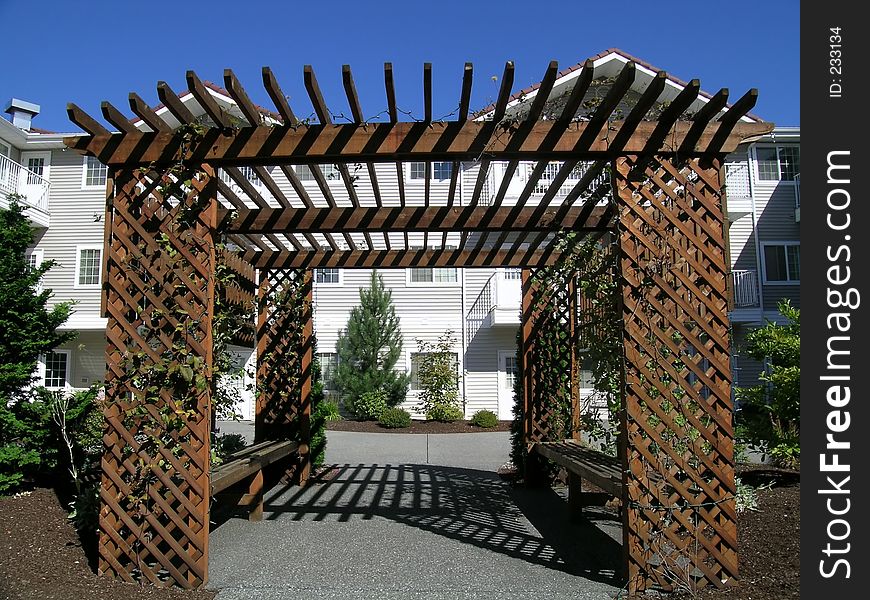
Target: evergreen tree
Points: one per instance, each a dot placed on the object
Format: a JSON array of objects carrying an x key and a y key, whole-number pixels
[
  {"x": 27, "y": 329},
  {"x": 370, "y": 347}
]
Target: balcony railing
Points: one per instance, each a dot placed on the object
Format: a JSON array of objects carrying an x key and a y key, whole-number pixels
[
  {"x": 797, "y": 198},
  {"x": 745, "y": 286},
  {"x": 18, "y": 179}
]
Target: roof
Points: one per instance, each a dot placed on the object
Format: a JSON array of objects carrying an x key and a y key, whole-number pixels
[{"x": 610, "y": 52}]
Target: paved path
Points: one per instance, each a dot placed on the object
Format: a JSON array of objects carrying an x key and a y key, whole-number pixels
[{"x": 405, "y": 516}]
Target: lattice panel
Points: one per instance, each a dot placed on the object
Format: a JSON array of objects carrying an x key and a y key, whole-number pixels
[
  {"x": 235, "y": 296},
  {"x": 159, "y": 300},
  {"x": 679, "y": 527},
  {"x": 548, "y": 360},
  {"x": 284, "y": 359}
]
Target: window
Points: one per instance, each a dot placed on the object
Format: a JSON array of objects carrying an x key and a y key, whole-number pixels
[
  {"x": 56, "y": 369},
  {"x": 778, "y": 163},
  {"x": 88, "y": 266},
  {"x": 416, "y": 357},
  {"x": 328, "y": 365},
  {"x": 327, "y": 276},
  {"x": 418, "y": 170},
  {"x": 34, "y": 260},
  {"x": 440, "y": 170},
  {"x": 510, "y": 372},
  {"x": 433, "y": 275},
  {"x": 35, "y": 170},
  {"x": 512, "y": 273},
  {"x": 330, "y": 172},
  {"x": 95, "y": 173},
  {"x": 782, "y": 262}
]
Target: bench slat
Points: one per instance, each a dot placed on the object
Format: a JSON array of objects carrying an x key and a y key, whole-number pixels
[
  {"x": 602, "y": 470},
  {"x": 248, "y": 461}
]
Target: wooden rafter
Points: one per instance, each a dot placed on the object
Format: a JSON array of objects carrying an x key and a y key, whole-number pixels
[{"x": 147, "y": 114}]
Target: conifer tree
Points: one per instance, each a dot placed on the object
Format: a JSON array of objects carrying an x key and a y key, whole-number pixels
[{"x": 369, "y": 348}]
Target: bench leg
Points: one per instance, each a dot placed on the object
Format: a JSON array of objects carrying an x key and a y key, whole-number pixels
[
  {"x": 575, "y": 501},
  {"x": 255, "y": 492}
]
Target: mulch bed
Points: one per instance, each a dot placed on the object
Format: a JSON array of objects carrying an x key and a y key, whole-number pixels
[
  {"x": 41, "y": 557},
  {"x": 416, "y": 427}
]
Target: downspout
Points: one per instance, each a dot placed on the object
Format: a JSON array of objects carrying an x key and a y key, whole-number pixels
[
  {"x": 463, "y": 315},
  {"x": 751, "y": 162}
]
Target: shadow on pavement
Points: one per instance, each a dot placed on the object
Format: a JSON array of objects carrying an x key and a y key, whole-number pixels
[{"x": 471, "y": 506}]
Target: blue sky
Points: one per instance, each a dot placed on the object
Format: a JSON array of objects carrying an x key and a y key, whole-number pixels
[{"x": 86, "y": 52}]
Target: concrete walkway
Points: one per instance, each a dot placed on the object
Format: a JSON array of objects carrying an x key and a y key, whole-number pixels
[{"x": 415, "y": 517}]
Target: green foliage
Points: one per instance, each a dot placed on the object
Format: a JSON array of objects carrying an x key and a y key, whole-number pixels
[
  {"x": 319, "y": 412},
  {"x": 224, "y": 445},
  {"x": 331, "y": 411},
  {"x": 769, "y": 413},
  {"x": 370, "y": 405},
  {"x": 485, "y": 419},
  {"x": 395, "y": 418},
  {"x": 28, "y": 328},
  {"x": 369, "y": 348},
  {"x": 438, "y": 378}
]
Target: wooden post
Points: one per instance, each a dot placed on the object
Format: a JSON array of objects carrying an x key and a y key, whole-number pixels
[{"x": 307, "y": 353}]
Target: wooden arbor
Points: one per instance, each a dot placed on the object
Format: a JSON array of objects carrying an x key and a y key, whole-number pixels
[{"x": 175, "y": 197}]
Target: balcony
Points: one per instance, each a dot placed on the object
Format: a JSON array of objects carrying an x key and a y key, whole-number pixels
[
  {"x": 745, "y": 305},
  {"x": 32, "y": 187},
  {"x": 498, "y": 304}
]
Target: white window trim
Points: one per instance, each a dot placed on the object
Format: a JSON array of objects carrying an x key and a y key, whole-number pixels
[
  {"x": 764, "y": 245},
  {"x": 459, "y": 368},
  {"x": 41, "y": 368},
  {"x": 85, "y": 186},
  {"x": 46, "y": 166},
  {"x": 430, "y": 175},
  {"x": 39, "y": 253},
  {"x": 329, "y": 284},
  {"x": 755, "y": 161},
  {"x": 88, "y": 286},
  {"x": 439, "y": 284}
]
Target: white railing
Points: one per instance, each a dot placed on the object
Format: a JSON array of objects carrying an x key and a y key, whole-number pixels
[
  {"x": 17, "y": 179},
  {"x": 542, "y": 186},
  {"x": 797, "y": 190},
  {"x": 745, "y": 286}
]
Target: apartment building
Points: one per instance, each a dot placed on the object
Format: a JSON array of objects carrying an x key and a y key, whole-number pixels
[{"x": 65, "y": 196}]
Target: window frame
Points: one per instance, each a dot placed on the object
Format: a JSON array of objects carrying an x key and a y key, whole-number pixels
[
  {"x": 78, "y": 259},
  {"x": 411, "y": 283},
  {"x": 340, "y": 281},
  {"x": 428, "y": 171},
  {"x": 785, "y": 244},
  {"x": 777, "y": 148},
  {"x": 305, "y": 175},
  {"x": 323, "y": 378},
  {"x": 410, "y": 371},
  {"x": 39, "y": 255},
  {"x": 85, "y": 165},
  {"x": 43, "y": 369}
]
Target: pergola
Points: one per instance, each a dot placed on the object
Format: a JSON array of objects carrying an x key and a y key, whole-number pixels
[{"x": 175, "y": 228}]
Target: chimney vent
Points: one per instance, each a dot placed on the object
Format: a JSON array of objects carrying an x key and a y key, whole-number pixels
[{"x": 22, "y": 112}]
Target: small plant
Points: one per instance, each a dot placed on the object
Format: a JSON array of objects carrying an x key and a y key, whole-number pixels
[
  {"x": 225, "y": 445},
  {"x": 370, "y": 405},
  {"x": 747, "y": 495},
  {"x": 395, "y": 418},
  {"x": 445, "y": 413},
  {"x": 485, "y": 419},
  {"x": 330, "y": 410}
]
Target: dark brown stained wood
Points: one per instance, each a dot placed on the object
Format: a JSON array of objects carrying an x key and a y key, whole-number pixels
[
  {"x": 250, "y": 191},
  {"x": 599, "y": 468},
  {"x": 401, "y": 259},
  {"x": 205, "y": 99},
  {"x": 400, "y": 181},
  {"x": 238, "y": 93},
  {"x": 147, "y": 114},
  {"x": 578, "y": 92},
  {"x": 701, "y": 120},
  {"x": 543, "y": 92},
  {"x": 278, "y": 97},
  {"x": 408, "y": 218},
  {"x": 298, "y": 186},
  {"x": 116, "y": 118},
  {"x": 384, "y": 142},
  {"x": 454, "y": 178},
  {"x": 601, "y": 116},
  {"x": 230, "y": 195},
  {"x": 504, "y": 92},
  {"x": 84, "y": 120},
  {"x": 482, "y": 175},
  {"x": 172, "y": 102},
  {"x": 427, "y": 92},
  {"x": 670, "y": 115},
  {"x": 351, "y": 93},
  {"x": 390, "y": 86},
  {"x": 646, "y": 101},
  {"x": 291, "y": 239},
  {"x": 273, "y": 188},
  {"x": 465, "y": 95},
  {"x": 734, "y": 113},
  {"x": 247, "y": 462}
]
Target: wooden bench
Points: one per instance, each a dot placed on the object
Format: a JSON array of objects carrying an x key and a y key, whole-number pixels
[
  {"x": 250, "y": 463},
  {"x": 581, "y": 463}
]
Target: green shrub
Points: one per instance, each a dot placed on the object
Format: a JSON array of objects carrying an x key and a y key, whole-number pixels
[
  {"x": 330, "y": 410},
  {"x": 222, "y": 446},
  {"x": 395, "y": 418},
  {"x": 370, "y": 405},
  {"x": 484, "y": 418},
  {"x": 445, "y": 413}
]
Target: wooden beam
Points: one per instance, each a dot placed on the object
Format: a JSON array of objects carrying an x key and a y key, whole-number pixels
[
  {"x": 205, "y": 99},
  {"x": 701, "y": 120},
  {"x": 351, "y": 93},
  {"x": 390, "y": 86},
  {"x": 578, "y": 92},
  {"x": 733, "y": 115},
  {"x": 605, "y": 109},
  {"x": 147, "y": 114},
  {"x": 671, "y": 114},
  {"x": 385, "y": 142},
  {"x": 409, "y": 219},
  {"x": 465, "y": 95},
  {"x": 504, "y": 92},
  {"x": 646, "y": 101},
  {"x": 240, "y": 96},
  {"x": 427, "y": 92},
  {"x": 348, "y": 259},
  {"x": 116, "y": 118},
  {"x": 172, "y": 102},
  {"x": 84, "y": 120},
  {"x": 278, "y": 97}
]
